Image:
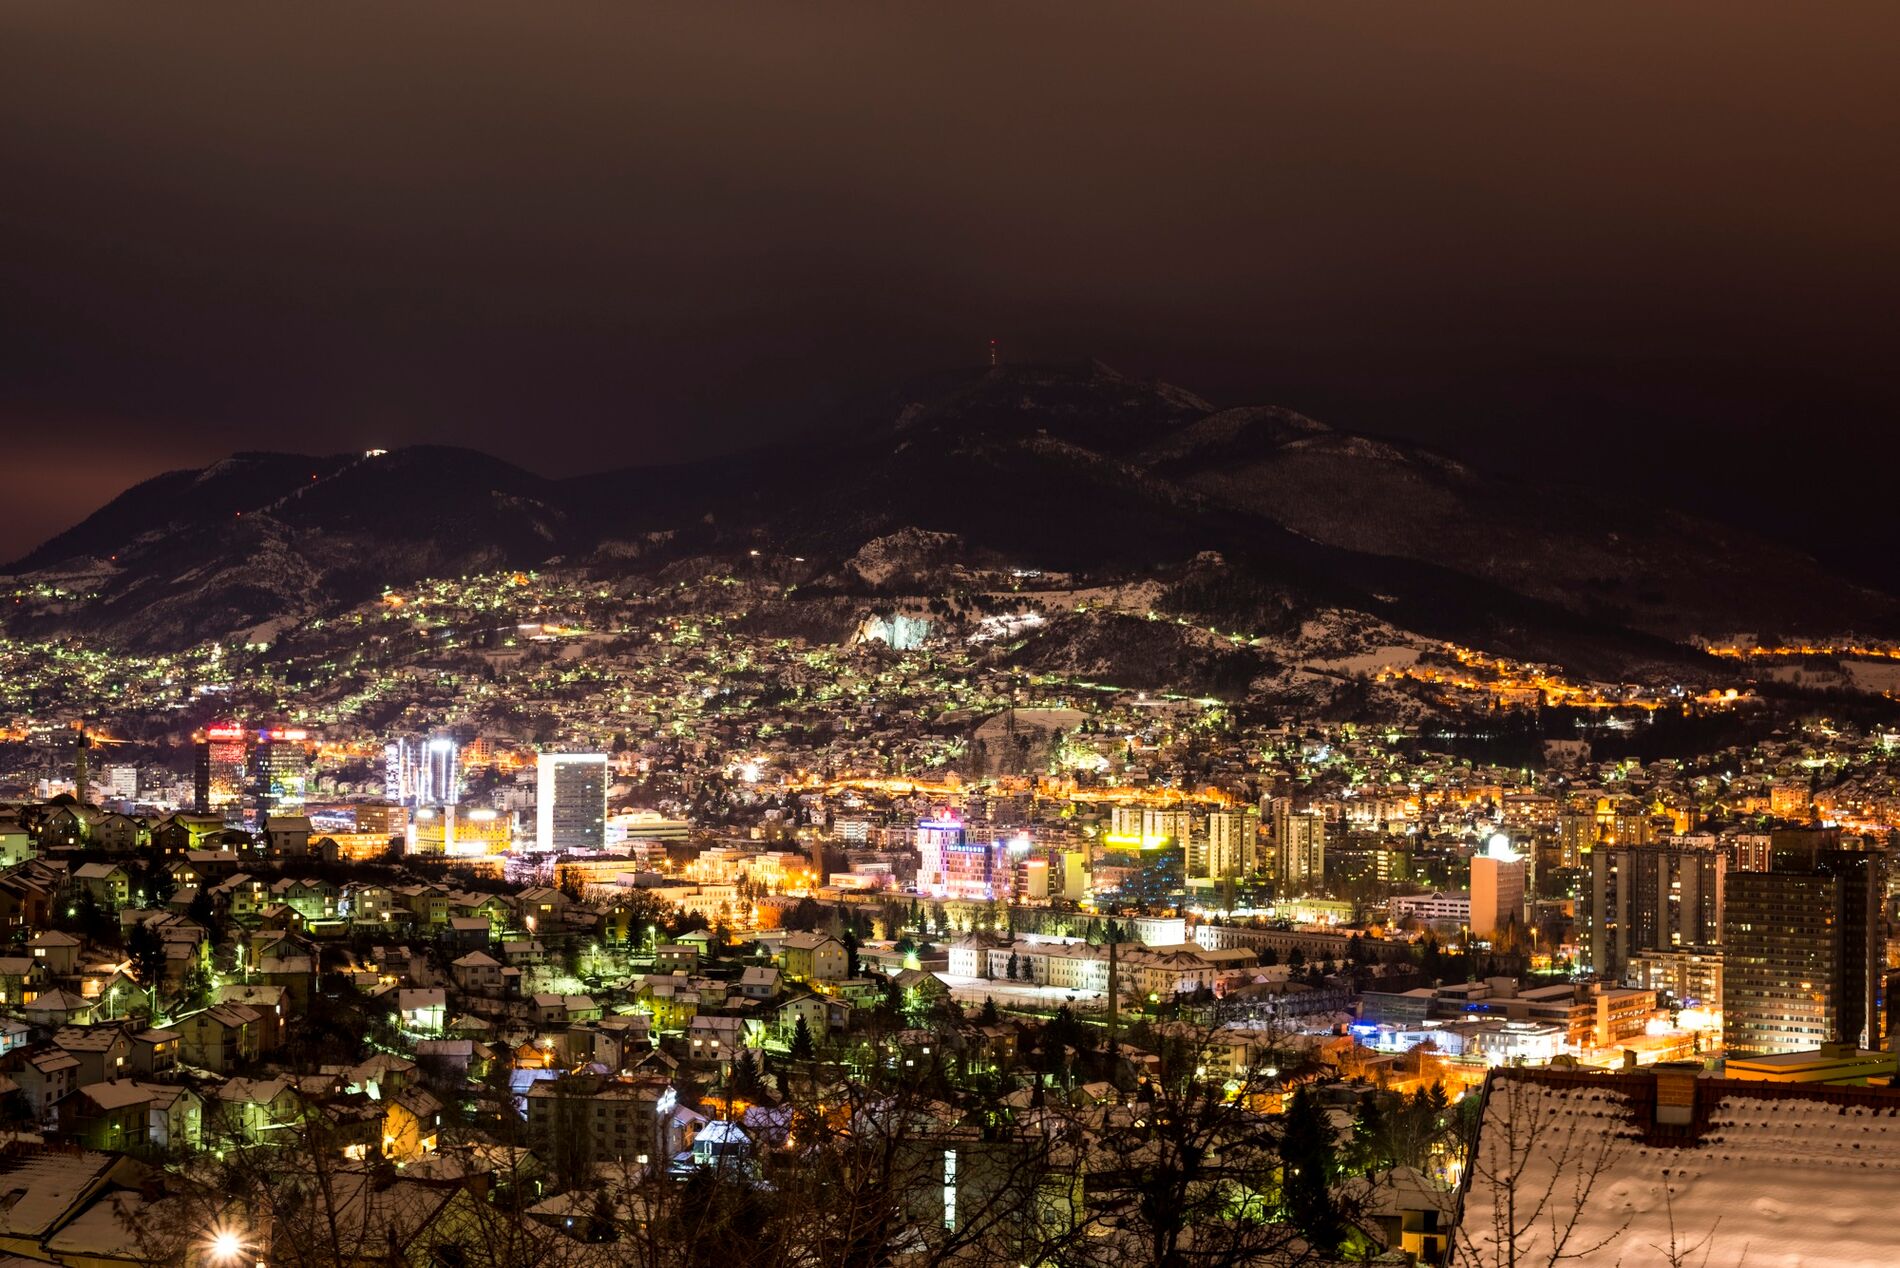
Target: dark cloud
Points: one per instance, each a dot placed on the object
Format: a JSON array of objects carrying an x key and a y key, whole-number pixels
[{"x": 1650, "y": 246}]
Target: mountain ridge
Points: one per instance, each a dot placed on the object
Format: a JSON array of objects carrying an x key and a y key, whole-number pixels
[{"x": 1065, "y": 466}]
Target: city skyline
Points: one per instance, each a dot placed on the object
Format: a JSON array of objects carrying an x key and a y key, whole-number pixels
[{"x": 777, "y": 636}]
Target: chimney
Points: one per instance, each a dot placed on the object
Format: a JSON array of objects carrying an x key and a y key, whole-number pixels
[{"x": 1675, "y": 1095}]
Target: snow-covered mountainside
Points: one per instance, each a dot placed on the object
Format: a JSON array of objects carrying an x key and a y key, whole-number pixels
[{"x": 1249, "y": 520}]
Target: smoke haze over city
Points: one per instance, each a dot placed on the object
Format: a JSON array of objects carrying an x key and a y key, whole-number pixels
[{"x": 1617, "y": 246}]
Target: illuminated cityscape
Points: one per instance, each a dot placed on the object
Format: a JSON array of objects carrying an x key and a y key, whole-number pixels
[
  {"x": 618, "y": 846},
  {"x": 889, "y": 640}
]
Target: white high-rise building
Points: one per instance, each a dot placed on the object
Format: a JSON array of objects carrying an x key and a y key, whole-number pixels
[
  {"x": 123, "y": 782},
  {"x": 1231, "y": 844},
  {"x": 1299, "y": 846},
  {"x": 400, "y": 777},
  {"x": 1154, "y": 827},
  {"x": 442, "y": 771},
  {"x": 570, "y": 808},
  {"x": 1497, "y": 888},
  {"x": 423, "y": 772},
  {"x": 944, "y": 855}
]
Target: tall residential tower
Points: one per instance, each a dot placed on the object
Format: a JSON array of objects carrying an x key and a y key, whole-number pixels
[{"x": 570, "y": 801}]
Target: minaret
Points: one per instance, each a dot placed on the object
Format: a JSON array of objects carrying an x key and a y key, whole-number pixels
[{"x": 80, "y": 780}]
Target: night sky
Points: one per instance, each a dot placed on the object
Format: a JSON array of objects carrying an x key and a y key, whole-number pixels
[{"x": 1649, "y": 248}]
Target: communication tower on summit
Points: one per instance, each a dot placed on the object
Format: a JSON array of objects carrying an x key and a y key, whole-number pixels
[{"x": 994, "y": 356}]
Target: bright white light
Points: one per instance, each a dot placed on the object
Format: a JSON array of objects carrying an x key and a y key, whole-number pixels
[
  {"x": 1500, "y": 848},
  {"x": 226, "y": 1246}
]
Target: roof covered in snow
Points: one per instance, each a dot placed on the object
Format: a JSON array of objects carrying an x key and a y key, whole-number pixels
[{"x": 1662, "y": 1166}]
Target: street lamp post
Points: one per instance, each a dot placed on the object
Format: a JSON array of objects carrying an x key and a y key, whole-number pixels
[{"x": 228, "y": 1249}]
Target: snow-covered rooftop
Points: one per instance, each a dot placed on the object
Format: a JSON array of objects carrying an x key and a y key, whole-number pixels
[{"x": 1661, "y": 1167}]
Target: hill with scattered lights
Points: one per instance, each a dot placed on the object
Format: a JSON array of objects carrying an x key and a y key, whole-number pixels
[{"x": 1155, "y": 537}]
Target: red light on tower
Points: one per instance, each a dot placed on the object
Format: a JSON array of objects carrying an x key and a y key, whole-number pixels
[{"x": 993, "y": 354}]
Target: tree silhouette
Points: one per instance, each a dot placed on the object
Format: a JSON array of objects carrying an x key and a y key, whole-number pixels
[
  {"x": 851, "y": 945},
  {"x": 803, "y": 1049},
  {"x": 1307, "y": 1161},
  {"x": 146, "y": 950}
]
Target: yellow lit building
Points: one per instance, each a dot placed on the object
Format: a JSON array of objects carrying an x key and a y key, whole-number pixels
[
  {"x": 411, "y": 1119},
  {"x": 455, "y": 831},
  {"x": 354, "y": 847},
  {"x": 1837, "y": 1063}
]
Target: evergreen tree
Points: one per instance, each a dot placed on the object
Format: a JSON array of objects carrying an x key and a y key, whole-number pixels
[
  {"x": 851, "y": 945},
  {"x": 571, "y": 1142},
  {"x": 90, "y": 920},
  {"x": 154, "y": 882},
  {"x": 196, "y": 993},
  {"x": 803, "y": 1049},
  {"x": 804, "y": 917},
  {"x": 744, "y": 1076},
  {"x": 1371, "y": 1137},
  {"x": 146, "y": 950},
  {"x": 202, "y": 911},
  {"x": 1063, "y": 1029},
  {"x": 1010, "y": 969},
  {"x": 601, "y": 1225},
  {"x": 1307, "y": 1161},
  {"x": 987, "y": 1015}
]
